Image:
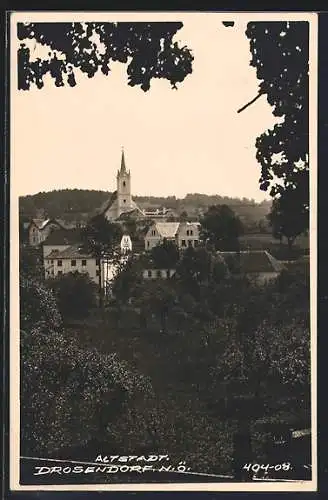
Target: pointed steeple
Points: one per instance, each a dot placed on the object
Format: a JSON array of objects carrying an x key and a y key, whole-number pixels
[{"x": 123, "y": 166}]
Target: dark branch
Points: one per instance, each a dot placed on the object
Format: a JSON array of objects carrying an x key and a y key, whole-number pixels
[{"x": 250, "y": 102}]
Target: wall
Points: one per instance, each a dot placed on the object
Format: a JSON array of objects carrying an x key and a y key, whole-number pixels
[
  {"x": 91, "y": 268},
  {"x": 189, "y": 234},
  {"x": 154, "y": 273}
]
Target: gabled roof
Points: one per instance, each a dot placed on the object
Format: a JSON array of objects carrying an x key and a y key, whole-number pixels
[
  {"x": 136, "y": 211},
  {"x": 166, "y": 229},
  {"x": 73, "y": 252},
  {"x": 41, "y": 223},
  {"x": 257, "y": 261},
  {"x": 64, "y": 237}
]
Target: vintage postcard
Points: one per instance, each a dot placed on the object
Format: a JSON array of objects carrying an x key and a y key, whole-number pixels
[{"x": 163, "y": 176}]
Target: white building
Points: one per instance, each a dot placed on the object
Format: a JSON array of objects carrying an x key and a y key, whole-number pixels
[
  {"x": 70, "y": 260},
  {"x": 183, "y": 234},
  {"x": 153, "y": 273}
]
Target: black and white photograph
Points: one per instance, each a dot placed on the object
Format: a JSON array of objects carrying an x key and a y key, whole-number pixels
[{"x": 163, "y": 186}]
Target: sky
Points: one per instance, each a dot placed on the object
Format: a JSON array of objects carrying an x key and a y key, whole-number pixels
[{"x": 190, "y": 140}]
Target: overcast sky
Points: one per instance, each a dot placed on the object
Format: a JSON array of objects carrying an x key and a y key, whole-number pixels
[{"x": 176, "y": 141}]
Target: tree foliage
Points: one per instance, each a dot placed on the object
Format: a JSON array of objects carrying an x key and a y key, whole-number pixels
[
  {"x": 37, "y": 304},
  {"x": 148, "y": 48},
  {"x": 280, "y": 54},
  {"x": 75, "y": 294},
  {"x": 69, "y": 394},
  {"x": 288, "y": 217},
  {"x": 101, "y": 237},
  {"x": 221, "y": 227},
  {"x": 165, "y": 255}
]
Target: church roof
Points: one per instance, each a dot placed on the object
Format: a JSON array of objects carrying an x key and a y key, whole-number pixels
[
  {"x": 108, "y": 203},
  {"x": 123, "y": 166}
]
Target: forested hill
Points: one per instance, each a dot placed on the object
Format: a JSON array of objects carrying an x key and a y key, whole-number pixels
[{"x": 79, "y": 204}]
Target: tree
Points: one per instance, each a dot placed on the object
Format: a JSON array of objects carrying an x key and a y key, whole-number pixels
[
  {"x": 221, "y": 227},
  {"x": 148, "y": 49},
  {"x": 31, "y": 261},
  {"x": 280, "y": 54},
  {"x": 165, "y": 255},
  {"x": 75, "y": 294},
  {"x": 69, "y": 395},
  {"x": 38, "y": 304},
  {"x": 288, "y": 218},
  {"x": 183, "y": 217},
  {"x": 194, "y": 268},
  {"x": 101, "y": 239}
]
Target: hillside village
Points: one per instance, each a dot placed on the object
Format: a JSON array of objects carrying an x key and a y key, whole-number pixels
[
  {"x": 174, "y": 299},
  {"x": 61, "y": 241}
]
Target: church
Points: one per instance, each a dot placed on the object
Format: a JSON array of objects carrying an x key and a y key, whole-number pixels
[{"x": 121, "y": 204}]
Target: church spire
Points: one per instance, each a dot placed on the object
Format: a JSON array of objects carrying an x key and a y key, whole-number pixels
[{"x": 123, "y": 167}]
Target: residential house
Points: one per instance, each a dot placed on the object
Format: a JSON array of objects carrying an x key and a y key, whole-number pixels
[
  {"x": 38, "y": 230},
  {"x": 188, "y": 234},
  {"x": 258, "y": 265},
  {"x": 183, "y": 234},
  {"x": 70, "y": 260},
  {"x": 61, "y": 239}
]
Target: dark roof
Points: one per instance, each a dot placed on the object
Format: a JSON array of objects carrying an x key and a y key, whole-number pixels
[
  {"x": 64, "y": 237},
  {"x": 127, "y": 215},
  {"x": 249, "y": 262},
  {"x": 72, "y": 252}
]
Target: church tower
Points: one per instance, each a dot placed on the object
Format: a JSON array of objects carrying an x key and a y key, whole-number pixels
[{"x": 123, "y": 179}]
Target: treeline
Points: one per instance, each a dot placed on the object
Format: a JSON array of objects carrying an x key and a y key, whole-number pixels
[{"x": 79, "y": 204}]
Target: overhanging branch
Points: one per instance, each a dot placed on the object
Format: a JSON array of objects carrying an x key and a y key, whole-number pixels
[{"x": 250, "y": 102}]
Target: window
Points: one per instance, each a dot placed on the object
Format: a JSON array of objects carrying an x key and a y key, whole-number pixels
[
  {"x": 97, "y": 262},
  {"x": 97, "y": 272},
  {"x": 124, "y": 201},
  {"x": 190, "y": 232},
  {"x": 123, "y": 183},
  {"x": 59, "y": 263},
  {"x": 148, "y": 244},
  {"x": 183, "y": 243},
  {"x": 84, "y": 262},
  {"x": 189, "y": 243},
  {"x": 149, "y": 273},
  {"x": 52, "y": 262},
  {"x": 187, "y": 232},
  {"x": 60, "y": 272},
  {"x": 153, "y": 232},
  {"x": 73, "y": 263}
]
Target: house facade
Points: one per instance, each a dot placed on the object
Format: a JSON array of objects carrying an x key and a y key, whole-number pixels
[
  {"x": 38, "y": 230},
  {"x": 71, "y": 260},
  {"x": 153, "y": 273},
  {"x": 183, "y": 234}
]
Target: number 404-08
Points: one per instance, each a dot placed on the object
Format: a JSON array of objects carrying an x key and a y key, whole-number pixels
[{"x": 266, "y": 467}]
